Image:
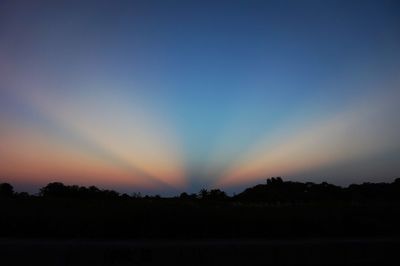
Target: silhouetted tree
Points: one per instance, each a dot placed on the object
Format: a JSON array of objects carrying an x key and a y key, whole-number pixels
[
  {"x": 273, "y": 181},
  {"x": 213, "y": 194},
  {"x": 125, "y": 196},
  {"x": 217, "y": 194},
  {"x": 55, "y": 189},
  {"x": 6, "y": 190},
  {"x": 23, "y": 195},
  {"x": 59, "y": 190},
  {"x": 274, "y": 191},
  {"x": 110, "y": 194},
  {"x": 203, "y": 194},
  {"x": 184, "y": 196},
  {"x": 136, "y": 195}
]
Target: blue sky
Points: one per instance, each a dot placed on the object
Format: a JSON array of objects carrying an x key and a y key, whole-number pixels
[{"x": 191, "y": 94}]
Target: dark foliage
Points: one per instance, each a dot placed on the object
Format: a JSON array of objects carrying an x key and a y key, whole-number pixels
[
  {"x": 213, "y": 194},
  {"x": 6, "y": 190},
  {"x": 274, "y": 209},
  {"x": 274, "y": 191},
  {"x": 59, "y": 190}
]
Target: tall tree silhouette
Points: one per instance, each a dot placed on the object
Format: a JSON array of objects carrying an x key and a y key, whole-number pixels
[{"x": 6, "y": 190}]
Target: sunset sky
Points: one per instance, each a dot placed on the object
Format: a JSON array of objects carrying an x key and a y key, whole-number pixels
[{"x": 170, "y": 96}]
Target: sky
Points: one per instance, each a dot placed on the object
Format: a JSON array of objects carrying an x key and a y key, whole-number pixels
[{"x": 170, "y": 96}]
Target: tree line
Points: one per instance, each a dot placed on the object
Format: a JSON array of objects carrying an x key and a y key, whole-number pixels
[{"x": 273, "y": 191}]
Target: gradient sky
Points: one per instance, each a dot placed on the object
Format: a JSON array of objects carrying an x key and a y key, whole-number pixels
[{"x": 166, "y": 96}]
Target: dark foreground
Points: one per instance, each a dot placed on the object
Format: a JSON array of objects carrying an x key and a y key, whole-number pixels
[
  {"x": 381, "y": 251},
  {"x": 277, "y": 223}
]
